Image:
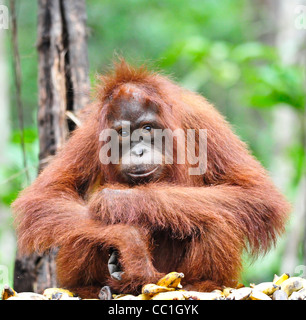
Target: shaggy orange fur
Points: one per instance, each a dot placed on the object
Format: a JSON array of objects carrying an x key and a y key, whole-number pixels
[{"x": 198, "y": 225}]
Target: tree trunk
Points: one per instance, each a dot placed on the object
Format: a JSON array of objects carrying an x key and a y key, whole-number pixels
[
  {"x": 290, "y": 43},
  {"x": 63, "y": 86}
]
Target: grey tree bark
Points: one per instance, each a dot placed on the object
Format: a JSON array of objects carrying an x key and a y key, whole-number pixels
[
  {"x": 63, "y": 87},
  {"x": 290, "y": 43}
]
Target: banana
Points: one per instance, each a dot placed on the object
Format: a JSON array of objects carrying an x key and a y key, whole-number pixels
[
  {"x": 239, "y": 285},
  {"x": 27, "y": 296},
  {"x": 227, "y": 291},
  {"x": 239, "y": 294},
  {"x": 152, "y": 289},
  {"x": 217, "y": 291},
  {"x": 279, "y": 280},
  {"x": 171, "y": 280},
  {"x": 195, "y": 295},
  {"x": 171, "y": 295},
  {"x": 116, "y": 296},
  {"x": 292, "y": 284},
  {"x": 143, "y": 296},
  {"x": 126, "y": 297},
  {"x": 57, "y": 294},
  {"x": 298, "y": 295},
  {"x": 266, "y": 287},
  {"x": 275, "y": 278},
  {"x": 8, "y": 292},
  {"x": 304, "y": 282},
  {"x": 258, "y": 295},
  {"x": 70, "y": 298},
  {"x": 279, "y": 295}
]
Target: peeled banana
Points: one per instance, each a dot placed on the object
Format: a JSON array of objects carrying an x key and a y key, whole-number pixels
[
  {"x": 227, "y": 291},
  {"x": 132, "y": 297},
  {"x": 126, "y": 297},
  {"x": 239, "y": 294},
  {"x": 144, "y": 296},
  {"x": 298, "y": 295},
  {"x": 266, "y": 287},
  {"x": 27, "y": 296},
  {"x": 279, "y": 295},
  {"x": 292, "y": 284},
  {"x": 172, "y": 295},
  {"x": 57, "y": 294},
  {"x": 195, "y": 295},
  {"x": 258, "y": 295}
]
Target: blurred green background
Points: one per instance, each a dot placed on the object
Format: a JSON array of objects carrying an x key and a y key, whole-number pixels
[{"x": 246, "y": 57}]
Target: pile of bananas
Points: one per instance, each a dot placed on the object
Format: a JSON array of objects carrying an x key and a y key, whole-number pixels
[
  {"x": 169, "y": 287},
  {"x": 49, "y": 294}
]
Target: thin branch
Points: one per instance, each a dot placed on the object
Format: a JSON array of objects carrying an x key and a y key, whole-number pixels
[
  {"x": 17, "y": 76},
  {"x": 70, "y": 115},
  {"x": 15, "y": 175}
]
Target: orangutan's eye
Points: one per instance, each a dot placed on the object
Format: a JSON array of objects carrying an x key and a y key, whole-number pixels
[
  {"x": 147, "y": 128},
  {"x": 123, "y": 133}
]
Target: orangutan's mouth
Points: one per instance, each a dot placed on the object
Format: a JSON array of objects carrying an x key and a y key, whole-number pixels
[{"x": 142, "y": 174}]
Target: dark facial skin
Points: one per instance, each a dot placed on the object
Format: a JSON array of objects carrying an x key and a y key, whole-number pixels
[{"x": 135, "y": 119}]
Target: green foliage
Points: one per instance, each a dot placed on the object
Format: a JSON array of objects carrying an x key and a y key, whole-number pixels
[{"x": 12, "y": 173}]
